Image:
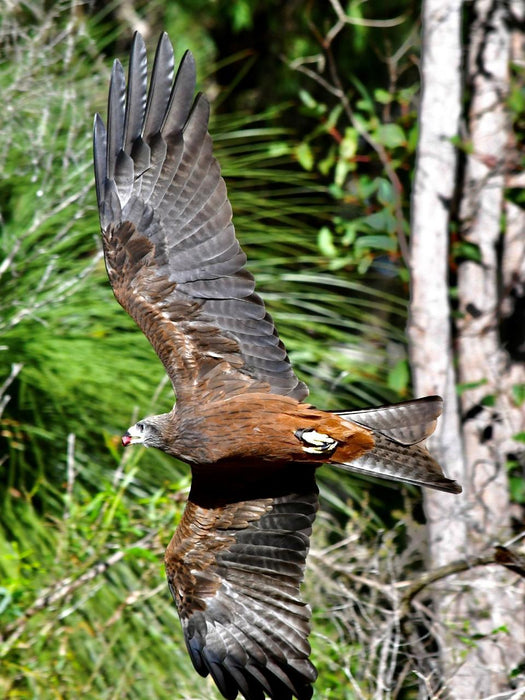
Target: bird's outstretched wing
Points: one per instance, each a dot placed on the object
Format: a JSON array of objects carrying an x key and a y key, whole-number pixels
[
  {"x": 171, "y": 253},
  {"x": 234, "y": 569}
]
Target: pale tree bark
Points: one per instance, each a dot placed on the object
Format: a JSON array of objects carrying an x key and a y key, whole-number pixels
[
  {"x": 472, "y": 450},
  {"x": 430, "y": 326},
  {"x": 430, "y": 313},
  {"x": 490, "y": 416}
]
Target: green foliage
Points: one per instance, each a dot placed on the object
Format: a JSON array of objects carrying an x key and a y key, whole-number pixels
[
  {"x": 365, "y": 156},
  {"x": 518, "y": 394},
  {"x": 464, "y": 250}
]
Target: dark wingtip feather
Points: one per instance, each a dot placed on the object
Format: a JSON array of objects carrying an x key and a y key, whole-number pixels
[
  {"x": 160, "y": 88},
  {"x": 99, "y": 156},
  {"x": 136, "y": 92},
  {"x": 116, "y": 115},
  {"x": 181, "y": 97}
]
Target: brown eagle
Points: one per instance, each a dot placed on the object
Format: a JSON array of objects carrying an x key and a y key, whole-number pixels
[{"x": 236, "y": 561}]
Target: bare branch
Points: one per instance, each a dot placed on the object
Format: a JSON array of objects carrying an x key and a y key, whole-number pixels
[{"x": 343, "y": 19}]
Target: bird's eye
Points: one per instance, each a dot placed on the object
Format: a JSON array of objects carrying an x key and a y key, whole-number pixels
[{"x": 140, "y": 426}]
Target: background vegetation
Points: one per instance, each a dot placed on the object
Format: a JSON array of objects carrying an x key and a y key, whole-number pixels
[{"x": 317, "y": 147}]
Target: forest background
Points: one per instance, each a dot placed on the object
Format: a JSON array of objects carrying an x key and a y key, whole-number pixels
[{"x": 358, "y": 197}]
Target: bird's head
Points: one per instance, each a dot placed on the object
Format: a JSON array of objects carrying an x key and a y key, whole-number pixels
[{"x": 147, "y": 432}]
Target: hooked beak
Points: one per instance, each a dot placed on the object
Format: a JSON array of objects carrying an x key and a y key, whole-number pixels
[{"x": 133, "y": 435}]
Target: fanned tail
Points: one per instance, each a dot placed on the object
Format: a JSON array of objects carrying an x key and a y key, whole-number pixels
[{"x": 398, "y": 455}]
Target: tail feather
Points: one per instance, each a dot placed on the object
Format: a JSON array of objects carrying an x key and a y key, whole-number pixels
[
  {"x": 407, "y": 423},
  {"x": 411, "y": 464},
  {"x": 397, "y": 454}
]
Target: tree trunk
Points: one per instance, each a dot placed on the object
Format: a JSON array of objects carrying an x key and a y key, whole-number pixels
[
  {"x": 430, "y": 313},
  {"x": 474, "y": 452},
  {"x": 484, "y": 366}
]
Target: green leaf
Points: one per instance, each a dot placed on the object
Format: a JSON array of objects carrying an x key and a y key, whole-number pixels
[
  {"x": 518, "y": 394},
  {"x": 304, "y": 155},
  {"x": 326, "y": 164},
  {"x": 333, "y": 117},
  {"x": 348, "y": 146},
  {"x": 350, "y": 232},
  {"x": 382, "y": 220},
  {"x": 516, "y": 100},
  {"x": 312, "y": 107},
  {"x": 342, "y": 168},
  {"x": 385, "y": 191},
  {"x": 462, "y": 144},
  {"x": 399, "y": 377},
  {"x": 139, "y": 553},
  {"x": 277, "y": 149},
  {"x": 376, "y": 242},
  {"x": 390, "y": 135},
  {"x": 325, "y": 241},
  {"x": 383, "y": 96},
  {"x": 241, "y": 15},
  {"x": 517, "y": 489},
  {"x": 336, "y": 191},
  {"x": 307, "y": 99},
  {"x": 466, "y": 250},
  {"x": 413, "y": 138},
  {"x": 462, "y": 387}
]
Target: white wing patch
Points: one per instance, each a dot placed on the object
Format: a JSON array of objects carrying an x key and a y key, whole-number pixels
[{"x": 314, "y": 442}]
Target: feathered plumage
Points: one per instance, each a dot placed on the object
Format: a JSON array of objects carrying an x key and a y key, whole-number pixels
[{"x": 236, "y": 561}]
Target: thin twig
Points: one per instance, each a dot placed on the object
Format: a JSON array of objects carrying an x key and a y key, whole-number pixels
[
  {"x": 16, "y": 368},
  {"x": 70, "y": 473},
  {"x": 343, "y": 18}
]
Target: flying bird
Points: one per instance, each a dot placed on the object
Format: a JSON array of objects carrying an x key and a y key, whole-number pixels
[{"x": 237, "y": 559}]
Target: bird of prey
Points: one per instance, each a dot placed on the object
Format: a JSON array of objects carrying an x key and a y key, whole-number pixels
[{"x": 236, "y": 561}]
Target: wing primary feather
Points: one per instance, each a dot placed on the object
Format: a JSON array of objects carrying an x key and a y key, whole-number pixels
[
  {"x": 210, "y": 192},
  {"x": 99, "y": 153},
  {"x": 181, "y": 97},
  {"x": 136, "y": 93},
  {"x": 194, "y": 140},
  {"x": 116, "y": 116},
  {"x": 159, "y": 89}
]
